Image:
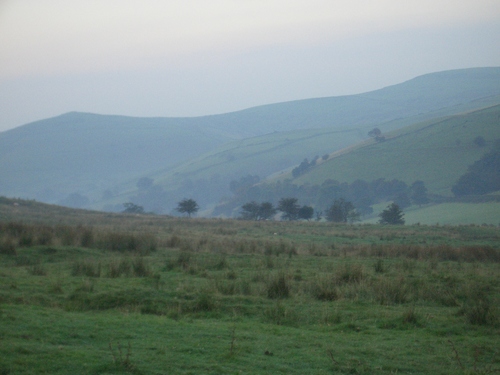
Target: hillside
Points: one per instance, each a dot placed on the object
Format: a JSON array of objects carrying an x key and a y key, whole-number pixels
[
  {"x": 102, "y": 157},
  {"x": 371, "y": 173},
  {"x": 87, "y": 154},
  {"x": 437, "y": 152}
]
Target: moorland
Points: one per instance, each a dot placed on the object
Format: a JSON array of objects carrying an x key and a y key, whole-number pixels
[{"x": 87, "y": 292}]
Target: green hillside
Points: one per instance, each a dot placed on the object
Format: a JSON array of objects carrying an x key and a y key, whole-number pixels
[
  {"x": 437, "y": 152},
  {"x": 86, "y": 153},
  {"x": 102, "y": 157}
]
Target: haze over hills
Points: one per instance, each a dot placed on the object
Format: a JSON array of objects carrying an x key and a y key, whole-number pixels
[
  {"x": 436, "y": 152},
  {"x": 102, "y": 157}
]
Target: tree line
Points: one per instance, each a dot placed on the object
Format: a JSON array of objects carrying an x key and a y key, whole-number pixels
[
  {"x": 362, "y": 194},
  {"x": 341, "y": 211}
]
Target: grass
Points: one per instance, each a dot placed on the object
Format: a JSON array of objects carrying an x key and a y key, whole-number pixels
[
  {"x": 437, "y": 152},
  {"x": 366, "y": 300}
]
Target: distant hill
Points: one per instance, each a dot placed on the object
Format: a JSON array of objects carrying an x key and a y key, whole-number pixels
[
  {"x": 101, "y": 158},
  {"x": 88, "y": 154},
  {"x": 437, "y": 152}
]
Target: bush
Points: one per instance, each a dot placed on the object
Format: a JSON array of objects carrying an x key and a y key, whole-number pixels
[
  {"x": 324, "y": 289},
  {"x": 278, "y": 287},
  {"x": 7, "y": 247},
  {"x": 350, "y": 273},
  {"x": 387, "y": 291},
  {"x": 89, "y": 268},
  {"x": 141, "y": 267}
]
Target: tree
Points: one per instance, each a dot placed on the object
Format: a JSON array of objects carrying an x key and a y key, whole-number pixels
[
  {"x": 374, "y": 133},
  {"x": 289, "y": 208},
  {"x": 341, "y": 211},
  {"x": 250, "y": 211},
  {"x": 419, "y": 193},
  {"x": 482, "y": 177},
  {"x": 306, "y": 213},
  {"x": 266, "y": 211},
  {"x": 188, "y": 206},
  {"x": 254, "y": 211},
  {"x": 377, "y": 134},
  {"x": 392, "y": 215},
  {"x": 131, "y": 208}
]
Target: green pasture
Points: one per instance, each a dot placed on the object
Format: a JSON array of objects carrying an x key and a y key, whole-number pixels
[{"x": 84, "y": 292}]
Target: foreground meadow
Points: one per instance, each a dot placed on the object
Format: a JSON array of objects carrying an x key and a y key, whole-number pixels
[{"x": 91, "y": 293}]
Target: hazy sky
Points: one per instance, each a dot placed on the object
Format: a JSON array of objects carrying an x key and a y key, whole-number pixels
[{"x": 197, "y": 57}]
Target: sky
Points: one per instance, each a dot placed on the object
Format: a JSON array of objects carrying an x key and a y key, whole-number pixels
[{"x": 197, "y": 57}]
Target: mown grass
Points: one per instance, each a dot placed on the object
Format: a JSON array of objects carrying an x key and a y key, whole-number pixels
[{"x": 224, "y": 297}]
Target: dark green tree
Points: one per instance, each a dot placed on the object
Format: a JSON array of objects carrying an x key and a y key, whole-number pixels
[
  {"x": 131, "y": 208},
  {"x": 341, "y": 211},
  {"x": 482, "y": 177},
  {"x": 289, "y": 208},
  {"x": 392, "y": 215},
  {"x": 255, "y": 211},
  {"x": 306, "y": 213},
  {"x": 418, "y": 193},
  {"x": 250, "y": 211},
  {"x": 266, "y": 211},
  {"x": 187, "y": 206}
]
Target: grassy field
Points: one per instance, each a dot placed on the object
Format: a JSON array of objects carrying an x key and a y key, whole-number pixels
[
  {"x": 437, "y": 152},
  {"x": 446, "y": 214},
  {"x": 85, "y": 292}
]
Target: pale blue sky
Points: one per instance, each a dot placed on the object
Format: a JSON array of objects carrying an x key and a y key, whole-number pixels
[{"x": 197, "y": 57}]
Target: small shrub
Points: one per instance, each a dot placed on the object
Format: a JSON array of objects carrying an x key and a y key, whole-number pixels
[
  {"x": 225, "y": 287},
  {"x": 324, "y": 289},
  {"x": 88, "y": 268},
  {"x": 204, "y": 302},
  {"x": 379, "y": 266},
  {"x": 410, "y": 316},
  {"x": 26, "y": 239},
  {"x": 87, "y": 237},
  {"x": 350, "y": 273},
  {"x": 387, "y": 291},
  {"x": 479, "y": 311},
  {"x": 87, "y": 286},
  {"x": 276, "y": 313},
  {"x": 117, "y": 268},
  {"x": 56, "y": 288},
  {"x": 141, "y": 268},
  {"x": 245, "y": 287},
  {"x": 184, "y": 259},
  {"x": 37, "y": 270},
  {"x": 278, "y": 287},
  {"x": 220, "y": 263},
  {"x": 7, "y": 247},
  {"x": 45, "y": 237}
]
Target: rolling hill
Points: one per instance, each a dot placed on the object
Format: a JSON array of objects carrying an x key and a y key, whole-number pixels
[
  {"x": 101, "y": 157},
  {"x": 436, "y": 152}
]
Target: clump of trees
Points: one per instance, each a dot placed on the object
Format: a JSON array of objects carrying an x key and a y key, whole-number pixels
[
  {"x": 291, "y": 210},
  {"x": 256, "y": 211},
  {"x": 131, "y": 208},
  {"x": 482, "y": 177},
  {"x": 342, "y": 211},
  {"x": 304, "y": 166},
  {"x": 362, "y": 194}
]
